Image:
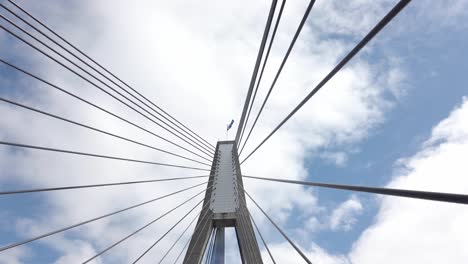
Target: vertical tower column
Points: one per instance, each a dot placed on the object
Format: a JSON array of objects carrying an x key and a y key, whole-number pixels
[
  {"x": 226, "y": 208},
  {"x": 218, "y": 249}
]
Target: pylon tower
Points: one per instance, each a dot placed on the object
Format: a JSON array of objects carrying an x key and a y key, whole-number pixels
[{"x": 224, "y": 206}]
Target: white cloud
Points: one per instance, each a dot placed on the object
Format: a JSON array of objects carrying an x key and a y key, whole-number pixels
[
  {"x": 195, "y": 60},
  {"x": 415, "y": 231},
  {"x": 284, "y": 253},
  {"x": 15, "y": 256},
  {"x": 337, "y": 17},
  {"x": 344, "y": 216},
  {"x": 313, "y": 224},
  {"x": 338, "y": 158},
  {"x": 76, "y": 252}
]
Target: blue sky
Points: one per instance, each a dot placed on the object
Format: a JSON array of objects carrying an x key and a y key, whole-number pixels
[
  {"x": 435, "y": 80},
  {"x": 379, "y": 124}
]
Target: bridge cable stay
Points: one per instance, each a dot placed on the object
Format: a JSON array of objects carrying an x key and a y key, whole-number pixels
[
  {"x": 188, "y": 141},
  {"x": 187, "y": 135},
  {"x": 61, "y": 188},
  {"x": 390, "y": 15},
  {"x": 255, "y": 70},
  {"x": 280, "y": 69},
  {"x": 98, "y": 130},
  {"x": 298, "y": 250},
  {"x": 181, "y": 235},
  {"x": 19, "y": 145},
  {"x": 99, "y": 65},
  {"x": 425, "y": 195},
  {"x": 94, "y": 84},
  {"x": 242, "y": 197},
  {"x": 278, "y": 18},
  {"x": 167, "y": 232},
  {"x": 204, "y": 220},
  {"x": 13, "y": 245},
  {"x": 100, "y": 253},
  {"x": 96, "y": 70},
  {"x": 182, "y": 251},
  {"x": 211, "y": 245},
  {"x": 49, "y": 84},
  {"x": 263, "y": 240},
  {"x": 198, "y": 237}
]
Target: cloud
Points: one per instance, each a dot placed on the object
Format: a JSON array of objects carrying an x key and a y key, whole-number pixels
[
  {"x": 284, "y": 253},
  {"x": 313, "y": 224},
  {"x": 334, "y": 16},
  {"x": 344, "y": 216},
  {"x": 15, "y": 256},
  {"x": 338, "y": 158},
  {"x": 415, "y": 231},
  {"x": 195, "y": 61},
  {"x": 77, "y": 252}
]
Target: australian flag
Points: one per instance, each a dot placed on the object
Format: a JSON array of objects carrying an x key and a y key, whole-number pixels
[{"x": 230, "y": 124}]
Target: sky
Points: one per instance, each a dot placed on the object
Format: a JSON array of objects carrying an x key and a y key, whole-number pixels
[{"x": 396, "y": 116}]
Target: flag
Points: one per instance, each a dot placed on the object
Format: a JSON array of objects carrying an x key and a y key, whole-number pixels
[{"x": 230, "y": 124}]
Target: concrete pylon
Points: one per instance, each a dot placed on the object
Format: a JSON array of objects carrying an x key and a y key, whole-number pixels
[{"x": 227, "y": 209}]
